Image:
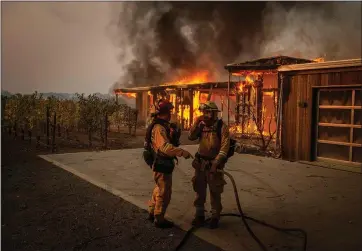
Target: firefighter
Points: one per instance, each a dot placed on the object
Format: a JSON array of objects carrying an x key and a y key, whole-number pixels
[
  {"x": 211, "y": 155},
  {"x": 164, "y": 162}
]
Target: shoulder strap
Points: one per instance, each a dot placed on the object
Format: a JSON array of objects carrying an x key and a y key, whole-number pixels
[
  {"x": 149, "y": 132},
  {"x": 150, "y": 127},
  {"x": 219, "y": 128}
]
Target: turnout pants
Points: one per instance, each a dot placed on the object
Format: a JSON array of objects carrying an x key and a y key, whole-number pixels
[
  {"x": 200, "y": 181},
  {"x": 161, "y": 195}
]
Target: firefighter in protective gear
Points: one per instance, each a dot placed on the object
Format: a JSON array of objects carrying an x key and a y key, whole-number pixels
[
  {"x": 211, "y": 155},
  {"x": 163, "y": 165}
]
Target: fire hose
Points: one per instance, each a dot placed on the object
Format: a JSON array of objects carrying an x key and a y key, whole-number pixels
[{"x": 244, "y": 219}]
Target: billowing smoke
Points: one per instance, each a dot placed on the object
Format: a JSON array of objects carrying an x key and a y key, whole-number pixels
[
  {"x": 165, "y": 41},
  {"x": 309, "y": 30}
]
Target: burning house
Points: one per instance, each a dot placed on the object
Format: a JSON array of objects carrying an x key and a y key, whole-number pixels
[
  {"x": 290, "y": 99},
  {"x": 256, "y": 93},
  {"x": 186, "y": 98},
  {"x": 250, "y": 95}
]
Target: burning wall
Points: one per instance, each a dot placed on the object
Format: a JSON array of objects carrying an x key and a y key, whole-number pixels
[
  {"x": 252, "y": 101},
  {"x": 256, "y": 99}
]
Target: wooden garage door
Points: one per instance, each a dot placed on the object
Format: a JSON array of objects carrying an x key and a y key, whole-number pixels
[{"x": 339, "y": 129}]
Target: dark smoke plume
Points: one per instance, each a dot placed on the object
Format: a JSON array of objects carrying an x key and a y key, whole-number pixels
[{"x": 165, "y": 41}]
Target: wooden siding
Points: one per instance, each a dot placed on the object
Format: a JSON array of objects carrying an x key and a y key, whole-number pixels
[{"x": 298, "y": 123}]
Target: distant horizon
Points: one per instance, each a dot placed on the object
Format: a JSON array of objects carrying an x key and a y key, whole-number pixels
[{"x": 86, "y": 93}]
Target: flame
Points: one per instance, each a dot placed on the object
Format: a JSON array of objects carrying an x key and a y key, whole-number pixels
[
  {"x": 184, "y": 115},
  {"x": 319, "y": 60},
  {"x": 197, "y": 99},
  {"x": 260, "y": 72},
  {"x": 197, "y": 78},
  {"x": 173, "y": 101},
  {"x": 270, "y": 94},
  {"x": 127, "y": 94},
  {"x": 248, "y": 101}
]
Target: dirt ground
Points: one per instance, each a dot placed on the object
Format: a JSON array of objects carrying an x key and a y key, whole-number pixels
[{"x": 47, "y": 208}]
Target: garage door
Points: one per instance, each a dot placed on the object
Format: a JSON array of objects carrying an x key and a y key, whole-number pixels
[{"x": 339, "y": 125}]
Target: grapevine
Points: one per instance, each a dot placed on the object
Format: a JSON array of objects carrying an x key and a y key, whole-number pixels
[{"x": 89, "y": 114}]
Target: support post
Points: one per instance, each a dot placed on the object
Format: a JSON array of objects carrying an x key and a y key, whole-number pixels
[
  {"x": 182, "y": 109},
  {"x": 237, "y": 110},
  {"x": 191, "y": 95},
  {"x": 105, "y": 130},
  {"x": 228, "y": 101},
  {"x": 280, "y": 114},
  {"x": 47, "y": 125}
]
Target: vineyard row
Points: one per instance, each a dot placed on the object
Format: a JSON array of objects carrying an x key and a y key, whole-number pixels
[{"x": 87, "y": 114}]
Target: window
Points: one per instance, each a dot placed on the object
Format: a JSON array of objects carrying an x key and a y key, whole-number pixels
[{"x": 339, "y": 124}]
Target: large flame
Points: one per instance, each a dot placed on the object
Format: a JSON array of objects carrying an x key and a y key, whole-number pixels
[
  {"x": 196, "y": 78},
  {"x": 319, "y": 60},
  {"x": 127, "y": 94},
  {"x": 248, "y": 92},
  {"x": 197, "y": 99}
]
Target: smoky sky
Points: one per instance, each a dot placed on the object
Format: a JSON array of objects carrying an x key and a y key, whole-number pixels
[
  {"x": 57, "y": 47},
  {"x": 165, "y": 41},
  {"x": 88, "y": 46}
]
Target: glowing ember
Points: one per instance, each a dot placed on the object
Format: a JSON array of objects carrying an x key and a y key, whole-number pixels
[{"x": 197, "y": 78}]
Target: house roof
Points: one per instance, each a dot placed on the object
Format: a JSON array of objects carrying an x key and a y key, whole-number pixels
[
  {"x": 270, "y": 63},
  {"x": 322, "y": 65},
  {"x": 173, "y": 86}
]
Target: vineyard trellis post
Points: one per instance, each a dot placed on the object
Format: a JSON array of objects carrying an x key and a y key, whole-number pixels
[
  {"x": 54, "y": 131},
  {"x": 47, "y": 125},
  {"x": 105, "y": 130}
]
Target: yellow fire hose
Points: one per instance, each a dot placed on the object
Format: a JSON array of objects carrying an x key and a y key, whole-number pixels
[{"x": 244, "y": 218}]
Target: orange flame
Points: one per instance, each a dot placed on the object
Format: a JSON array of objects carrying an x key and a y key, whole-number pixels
[
  {"x": 319, "y": 60},
  {"x": 249, "y": 101},
  {"x": 197, "y": 78},
  {"x": 127, "y": 94},
  {"x": 197, "y": 99}
]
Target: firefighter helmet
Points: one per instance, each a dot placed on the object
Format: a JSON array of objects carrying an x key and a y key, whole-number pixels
[
  {"x": 209, "y": 106},
  {"x": 164, "y": 106}
]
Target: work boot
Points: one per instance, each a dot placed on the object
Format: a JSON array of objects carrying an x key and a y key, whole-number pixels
[
  {"x": 198, "y": 221},
  {"x": 164, "y": 224},
  {"x": 214, "y": 223},
  {"x": 151, "y": 217}
]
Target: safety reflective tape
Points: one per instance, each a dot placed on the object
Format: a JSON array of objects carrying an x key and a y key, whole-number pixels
[{"x": 223, "y": 153}]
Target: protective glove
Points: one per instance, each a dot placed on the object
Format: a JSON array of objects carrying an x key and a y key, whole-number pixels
[
  {"x": 215, "y": 164},
  {"x": 186, "y": 154}
]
